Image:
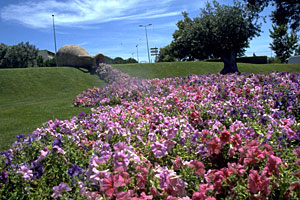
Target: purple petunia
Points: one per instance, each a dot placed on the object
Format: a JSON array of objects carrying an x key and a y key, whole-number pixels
[
  {"x": 121, "y": 161},
  {"x": 3, "y": 177},
  {"x": 75, "y": 170},
  {"x": 7, "y": 157},
  {"x": 158, "y": 149},
  {"x": 58, "y": 190},
  {"x": 26, "y": 172},
  {"x": 37, "y": 169}
]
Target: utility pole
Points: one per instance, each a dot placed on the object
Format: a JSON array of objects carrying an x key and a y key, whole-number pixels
[
  {"x": 137, "y": 52},
  {"x": 54, "y": 33},
  {"x": 147, "y": 40}
]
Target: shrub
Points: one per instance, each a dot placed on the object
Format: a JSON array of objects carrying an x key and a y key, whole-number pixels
[{"x": 18, "y": 56}]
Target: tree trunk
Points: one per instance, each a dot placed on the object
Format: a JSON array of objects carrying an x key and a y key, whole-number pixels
[{"x": 230, "y": 65}]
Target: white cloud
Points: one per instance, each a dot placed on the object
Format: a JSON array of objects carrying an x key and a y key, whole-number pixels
[{"x": 37, "y": 14}]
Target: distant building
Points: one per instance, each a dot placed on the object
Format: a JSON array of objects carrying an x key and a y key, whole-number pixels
[
  {"x": 47, "y": 55},
  {"x": 294, "y": 60}
]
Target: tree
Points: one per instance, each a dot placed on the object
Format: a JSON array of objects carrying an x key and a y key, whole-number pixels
[
  {"x": 166, "y": 54},
  {"x": 284, "y": 44},
  {"x": 40, "y": 61},
  {"x": 286, "y": 12},
  {"x": 297, "y": 51},
  {"x": 3, "y": 50},
  {"x": 220, "y": 31},
  {"x": 19, "y": 56},
  {"x": 131, "y": 60},
  {"x": 181, "y": 47}
]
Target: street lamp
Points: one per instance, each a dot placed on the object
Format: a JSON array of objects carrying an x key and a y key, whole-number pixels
[
  {"x": 147, "y": 39},
  {"x": 54, "y": 33},
  {"x": 137, "y": 52}
]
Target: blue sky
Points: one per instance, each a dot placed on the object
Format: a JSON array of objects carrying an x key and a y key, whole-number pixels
[{"x": 110, "y": 27}]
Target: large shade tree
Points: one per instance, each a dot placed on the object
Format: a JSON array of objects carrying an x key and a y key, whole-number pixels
[{"x": 220, "y": 31}]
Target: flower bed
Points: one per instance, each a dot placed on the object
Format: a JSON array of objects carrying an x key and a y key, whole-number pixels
[{"x": 197, "y": 137}]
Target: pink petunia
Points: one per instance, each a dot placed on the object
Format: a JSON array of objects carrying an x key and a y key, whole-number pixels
[
  {"x": 236, "y": 141},
  {"x": 297, "y": 152},
  {"x": 198, "y": 166},
  {"x": 273, "y": 164},
  {"x": 214, "y": 146},
  {"x": 108, "y": 187},
  {"x": 225, "y": 136},
  {"x": 258, "y": 183},
  {"x": 177, "y": 163}
]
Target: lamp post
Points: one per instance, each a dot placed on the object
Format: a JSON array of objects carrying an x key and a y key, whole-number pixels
[
  {"x": 147, "y": 39},
  {"x": 137, "y": 52},
  {"x": 54, "y": 33}
]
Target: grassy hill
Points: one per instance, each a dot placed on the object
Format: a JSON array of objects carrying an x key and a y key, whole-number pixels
[
  {"x": 160, "y": 70},
  {"x": 32, "y": 96}
]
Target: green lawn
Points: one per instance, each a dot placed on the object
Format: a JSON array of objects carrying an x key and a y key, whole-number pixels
[
  {"x": 32, "y": 96},
  {"x": 160, "y": 70}
]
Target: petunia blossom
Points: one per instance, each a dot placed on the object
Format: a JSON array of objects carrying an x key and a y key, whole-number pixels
[{"x": 61, "y": 188}]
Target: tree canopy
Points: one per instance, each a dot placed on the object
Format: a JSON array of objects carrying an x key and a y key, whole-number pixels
[
  {"x": 284, "y": 44},
  {"x": 286, "y": 12},
  {"x": 220, "y": 31},
  {"x": 166, "y": 54}
]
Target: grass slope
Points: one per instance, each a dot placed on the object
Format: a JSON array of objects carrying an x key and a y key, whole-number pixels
[
  {"x": 161, "y": 70},
  {"x": 32, "y": 96}
]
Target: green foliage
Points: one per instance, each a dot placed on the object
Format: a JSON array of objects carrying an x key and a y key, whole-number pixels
[
  {"x": 218, "y": 30},
  {"x": 119, "y": 60},
  {"x": 50, "y": 63},
  {"x": 3, "y": 50},
  {"x": 130, "y": 60},
  {"x": 40, "y": 61},
  {"x": 18, "y": 56},
  {"x": 285, "y": 12},
  {"x": 253, "y": 60},
  {"x": 166, "y": 54},
  {"x": 284, "y": 44},
  {"x": 273, "y": 60}
]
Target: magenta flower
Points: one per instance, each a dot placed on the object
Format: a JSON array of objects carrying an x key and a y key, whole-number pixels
[
  {"x": 297, "y": 152},
  {"x": 225, "y": 136},
  {"x": 258, "y": 183},
  {"x": 273, "y": 164},
  {"x": 158, "y": 149},
  {"x": 214, "y": 146},
  {"x": 198, "y": 166},
  {"x": 177, "y": 163},
  {"x": 58, "y": 190},
  {"x": 113, "y": 182}
]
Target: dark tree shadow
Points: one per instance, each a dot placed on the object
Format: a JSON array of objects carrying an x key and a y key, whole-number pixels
[{"x": 91, "y": 70}]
